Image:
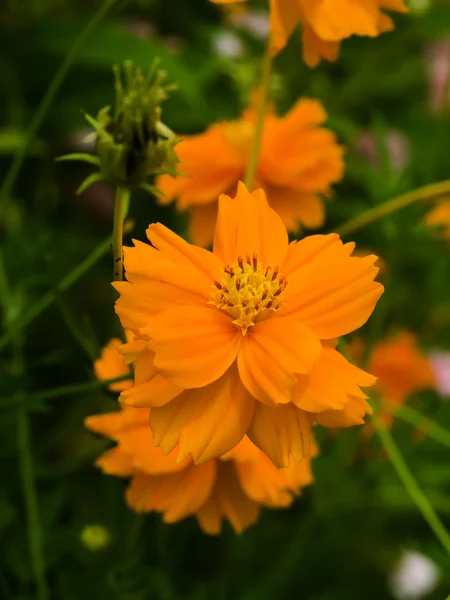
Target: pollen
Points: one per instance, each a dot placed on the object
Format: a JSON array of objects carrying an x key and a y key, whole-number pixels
[{"x": 248, "y": 291}]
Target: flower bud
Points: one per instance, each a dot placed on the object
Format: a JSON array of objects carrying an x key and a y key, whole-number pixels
[
  {"x": 95, "y": 537},
  {"x": 133, "y": 143}
]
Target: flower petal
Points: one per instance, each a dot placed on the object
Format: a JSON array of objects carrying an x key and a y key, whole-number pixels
[
  {"x": 176, "y": 495},
  {"x": 112, "y": 364},
  {"x": 315, "y": 48},
  {"x": 212, "y": 167},
  {"x": 156, "y": 283},
  {"x": 193, "y": 345},
  {"x": 308, "y": 250},
  {"x": 284, "y": 16},
  {"x": 115, "y": 462},
  {"x": 209, "y": 516},
  {"x": 334, "y": 293},
  {"x": 207, "y": 422},
  {"x": 330, "y": 384},
  {"x": 202, "y": 224},
  {"x": 220, "y": 421},
  {"x": 228, "y": 500},
  {"x": 280, "y": 432},
  {"x": 247, "y": 225},
  {"x": 296, "y": 207},
  {"x": 137, "y": 443},
  {"x": 150, "y": 388},
  {"x": 110, "y": 424},
  {"x": 287, "y": 346},
  {"x": 263, "y": 482},
  {"x": 353, "y": 414},
  {"x": 206, "y": 266},
  {"x": 334, "y": 20}
]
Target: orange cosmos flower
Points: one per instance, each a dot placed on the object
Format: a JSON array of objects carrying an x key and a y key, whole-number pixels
[
  {"x": 236, "y": 487},
  {"x": 439, "y": 216},
  {"x": 298, "y": 163},
  {"x": 326, "y": 23},
  {"x": 401, "y": 369},
  {"x": 240, "y": 341}
]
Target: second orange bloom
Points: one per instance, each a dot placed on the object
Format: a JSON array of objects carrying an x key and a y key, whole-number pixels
[{"x": 299, "y": 161}]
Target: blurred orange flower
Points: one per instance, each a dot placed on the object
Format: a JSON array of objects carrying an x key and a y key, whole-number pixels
[
  {"x": 298, "y": 163},
  {"x": 401, "y": 369},
  {"x": 240, "y": 341},
  {"x": 111, "y": 364},
  {"x": 235, "y": 487},
  {"x": 439, "y": 216},
  {"x": 326, "y": 23}
]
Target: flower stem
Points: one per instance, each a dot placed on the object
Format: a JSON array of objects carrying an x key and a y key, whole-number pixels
[
  {"x": 260, "y": 116},
  {"x": 120, "y": 210},
  {"x": 425, "y": 424},
  {"x": 66, "y": 390},
  {"x": 32, "y": 513},
  {"x": 47, "y": 100},
  {"x": 411, "y": 485},
  {"x": 23, "y": 321},
  {"x": 422, "y": 194}
]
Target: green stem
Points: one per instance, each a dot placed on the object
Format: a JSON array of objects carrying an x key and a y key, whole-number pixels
[
  {"x": 76, "y": 330},
  {"x": 422, "y": 194},
  {"x": 32, "y": 513},
  {"x": 49, "y": 96},
  {"x": 426, "y": 425},
  {"x": 23, "y": 321},
  {"x": 120, "y": 210},
  {"x": 66, "y": 390},
  {"x": 260, "y": 118},
  {"x": 411, "y": 485}
]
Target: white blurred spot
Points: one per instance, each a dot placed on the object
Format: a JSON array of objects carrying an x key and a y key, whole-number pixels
[
  {"x": 440, "y": 363},
  {"x": 415, "y": 576},
  {"x": 228, "y": 45},
  {"x": 255, "y": 22}
]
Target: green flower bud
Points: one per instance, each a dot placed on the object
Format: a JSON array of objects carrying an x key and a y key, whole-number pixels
[
  {"x": 134, "y": 143},
  {"x": 95, "y": 537}
]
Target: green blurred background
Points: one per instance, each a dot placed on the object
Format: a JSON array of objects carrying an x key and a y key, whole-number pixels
[{"x": 385, "y": 97}]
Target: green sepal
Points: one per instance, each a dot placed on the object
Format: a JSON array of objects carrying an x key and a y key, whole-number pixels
[
  {"x": 93, "y": 122},
  {"x": 87, "y": 158},
  {"x": 152, "y": 189},
  {"x": 93, "y": 178}
]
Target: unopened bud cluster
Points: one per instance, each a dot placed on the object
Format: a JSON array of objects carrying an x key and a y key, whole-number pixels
[{"x": 133, "y": 143}]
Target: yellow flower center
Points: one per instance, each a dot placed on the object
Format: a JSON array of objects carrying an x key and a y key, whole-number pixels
[
  {"x": 239, "y": 135},
  {"x": 249, "y": 291}
]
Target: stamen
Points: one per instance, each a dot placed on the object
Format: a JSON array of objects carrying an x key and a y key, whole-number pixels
[{"x": 248, "y": 291}]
